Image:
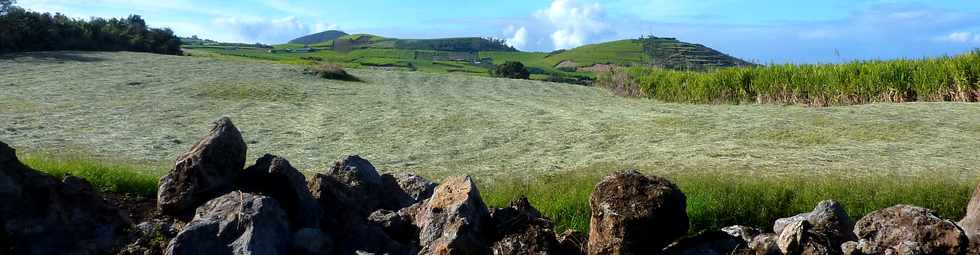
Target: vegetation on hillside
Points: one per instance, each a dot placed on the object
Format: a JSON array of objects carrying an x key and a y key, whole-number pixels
[
  {"x": 22, "y": 30},
  {"x": 512, "y": 70},
  {"x": 668, "y": 53},
  {"x": 936, "y": 79},
  {"x": 320, "y": 37}
]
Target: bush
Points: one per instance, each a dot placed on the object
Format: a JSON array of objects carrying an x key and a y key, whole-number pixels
[
  {"x": 513, "y": 70},
  {"x": 332, "y": 72}
]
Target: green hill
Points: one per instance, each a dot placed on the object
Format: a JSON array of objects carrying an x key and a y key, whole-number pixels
[
  {"x": 647, "y": 51},
  {"x": 318, "y": 37}
]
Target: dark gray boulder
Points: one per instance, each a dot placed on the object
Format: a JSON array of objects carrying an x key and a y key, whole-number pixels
[
  {"x": 235, "y": 223},
  {"x": 275, "y": 177},
  {"x": 403, "y": 190},
  {"x": 707, "y": 243},
  {"x": 520, "y": 229},
  {"x": 40, "y": 214},
  {"x": 207, "y": 171}
]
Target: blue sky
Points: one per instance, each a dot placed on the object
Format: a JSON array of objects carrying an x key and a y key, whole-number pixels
[{"x": 766, "y": 31}]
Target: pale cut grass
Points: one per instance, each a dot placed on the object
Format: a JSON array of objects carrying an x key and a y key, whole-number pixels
[{"x": 150, "y": 108}]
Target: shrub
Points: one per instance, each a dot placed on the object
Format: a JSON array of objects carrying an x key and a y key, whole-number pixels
[
  {"x": 332, "y": 72},
  {"x": 513, "y": 70}
]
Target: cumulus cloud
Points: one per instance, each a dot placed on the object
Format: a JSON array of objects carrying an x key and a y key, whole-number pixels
[
  {"x": 960, "y": 37},
  {"x": 518, "y": 38},
  {"x": 575, "y": 24},
  {"x": 263, "y": 30}
]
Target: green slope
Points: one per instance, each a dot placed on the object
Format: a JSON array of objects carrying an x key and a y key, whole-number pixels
[
  {"x": 652, "y": 51},
  {"x": 318, "y": 37}
]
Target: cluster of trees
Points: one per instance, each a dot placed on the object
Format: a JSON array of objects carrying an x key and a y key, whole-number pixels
[
  {"x": 23, "y": 30},
  {"x": 512, "y": 70},
  {"x": 466, "y": 44}
]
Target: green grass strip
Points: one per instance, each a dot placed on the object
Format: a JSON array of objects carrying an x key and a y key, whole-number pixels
[
  {"x": 715, "y": 201},
  {"x": 106, "y": 176}
]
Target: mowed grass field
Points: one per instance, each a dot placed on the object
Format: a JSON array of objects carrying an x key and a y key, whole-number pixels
[{"x": 738, "y": 163}]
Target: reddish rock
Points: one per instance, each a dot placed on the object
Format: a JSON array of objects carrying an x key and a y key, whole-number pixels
[
  {"x": 452, "y": 221},
  {"x": 904, "y": 229},
  {"x": 207, "y": 171},
  {"x": 634, "y": 214}
]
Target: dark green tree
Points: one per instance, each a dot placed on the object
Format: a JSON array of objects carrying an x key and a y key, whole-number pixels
[
  {"x": 22, "y": 30},
  {"x": 5, "y": 5},
  {"x": 513, "y": 70}
]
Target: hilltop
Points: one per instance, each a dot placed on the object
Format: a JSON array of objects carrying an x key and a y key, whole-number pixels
[
  {"x": 320, "y": 37},
  {"x": 668, "y": 53},
  {"x": 477, "y": 56}
]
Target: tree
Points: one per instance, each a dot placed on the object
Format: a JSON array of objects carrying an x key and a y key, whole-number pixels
[
  {"x": 5, "y": 5},
  {"x": 513, "y": 70}
]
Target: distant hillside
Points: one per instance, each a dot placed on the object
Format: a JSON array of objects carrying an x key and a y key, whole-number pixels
[
  {"x": 319, "y": 37},
  {"x": 650, "y": 51},
  {"x": 345, "y": 42}
]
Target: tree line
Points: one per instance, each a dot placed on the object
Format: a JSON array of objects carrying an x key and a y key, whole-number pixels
[{"x": 23, "y": 30}]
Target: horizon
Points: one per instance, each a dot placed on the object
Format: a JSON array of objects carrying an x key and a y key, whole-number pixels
[{"x": 757, "y": 31}]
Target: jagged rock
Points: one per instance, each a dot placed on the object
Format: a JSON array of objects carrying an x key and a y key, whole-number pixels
[
  {"x": 371, "y": 239},
  {"x": 311, "y": 241},
  {"x": 707, "y": 243},
  {"x": 971, "y": 222},
  {"x": 742, "y": 232},
  {"x": 235, "y": 223},
  {"x": 348, "y": 193},
  {"x": 827, "y": 228},
  {"x": 208, "y": 170},
  {"x": 275, "y": 177},
  {"x": 404, "y": 190},
  {"x": 520, "y": 229},
  {"x": 781, "y": 223},
  {"x": 793, "y": 237},
  {"x": 349, "y": 189},
  {"x": 765, "y": 244},
  {"x": 452, "y": 221},
  {"x": 831, "y": 223},
  {"x": 633, "y": 214},
  {"x": 397, "y": 225},
  {"x": 859, "y": 247},
  {"x": 40, "y": 214},
  {"x": 905, "y": 229},
  {"x": 151, "y": 237},
  {"x": 573, "y": 242}
]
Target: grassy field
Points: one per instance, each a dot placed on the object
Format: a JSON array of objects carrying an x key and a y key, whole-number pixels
[
  {"x": 737, "y": 163},
  {"x": 936, "y": 79}
]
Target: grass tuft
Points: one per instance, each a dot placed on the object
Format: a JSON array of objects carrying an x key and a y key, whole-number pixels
[{"x": 332, "y": 72}]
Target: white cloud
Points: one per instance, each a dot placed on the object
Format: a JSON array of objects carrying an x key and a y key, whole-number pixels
[
  {"x": 264, "y": 30},
  {"x": 249, "y": 29},
  {"x": 960, "y": 37},
  {"x": 575, "y": 24},
  {"x": 519, "y": 37}
]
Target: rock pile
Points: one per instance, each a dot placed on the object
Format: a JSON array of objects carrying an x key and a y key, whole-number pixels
[{"x": 223, "y": 207}]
